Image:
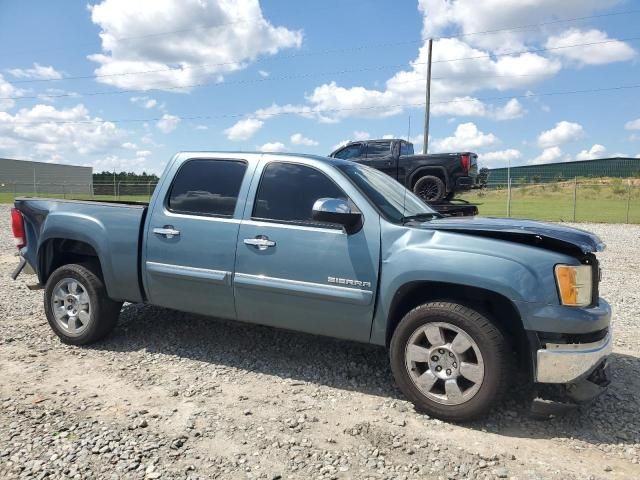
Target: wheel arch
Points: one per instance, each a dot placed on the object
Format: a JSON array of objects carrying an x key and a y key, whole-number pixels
[
  {"x": 492, "y": 304},
  {"x": 56, "y": 252},
  {"x": 435, "y": 171}
]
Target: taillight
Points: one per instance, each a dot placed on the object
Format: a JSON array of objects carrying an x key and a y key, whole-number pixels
[
  {"x": 465, "y": 161},
  {"x": 17, "y": 225}
]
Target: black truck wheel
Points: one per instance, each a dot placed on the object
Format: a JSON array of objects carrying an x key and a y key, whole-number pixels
[
  {"x": 430, "y": 188},
  {"x": 77, "y": 306},
  {"x": 449, "y": 360}
]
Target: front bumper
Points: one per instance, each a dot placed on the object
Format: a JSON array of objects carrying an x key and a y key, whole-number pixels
[{"x": 566, "y": 363}]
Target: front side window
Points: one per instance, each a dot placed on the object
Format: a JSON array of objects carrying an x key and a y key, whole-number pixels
[
  {"x": 349, "y": 152},
  {"x": 288, "y": 191},
  {"x": 378, "y": 149},
  {"x": 207, "y": 187},
  {"x": 406, "y": 149}
]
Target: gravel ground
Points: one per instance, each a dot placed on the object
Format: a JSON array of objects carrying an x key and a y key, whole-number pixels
[{"x": 171, "y": 395}]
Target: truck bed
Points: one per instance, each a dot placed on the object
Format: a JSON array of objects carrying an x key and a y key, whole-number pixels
[{"x": 113, "y": 230}]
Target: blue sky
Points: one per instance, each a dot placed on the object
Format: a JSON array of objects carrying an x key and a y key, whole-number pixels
[{"x": 306, "y": 76}]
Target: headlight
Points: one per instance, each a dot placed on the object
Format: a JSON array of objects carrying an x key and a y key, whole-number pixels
[{"x": 574, "y": 284}]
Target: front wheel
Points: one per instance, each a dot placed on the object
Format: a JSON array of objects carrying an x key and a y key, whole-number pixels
[
  {"x": 449, "y": 360},
  {"x": 77, "y": 306}
]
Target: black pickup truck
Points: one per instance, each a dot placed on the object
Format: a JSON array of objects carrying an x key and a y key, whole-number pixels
[{"x": 432, "y": 177}]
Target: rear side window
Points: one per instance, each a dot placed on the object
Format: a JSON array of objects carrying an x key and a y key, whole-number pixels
[
  {"x": 378, "y": 149},
  {"x": 207, "y": 187},
  {"x": 349, "y": 152},
  {"x": 288, "y": 191}
]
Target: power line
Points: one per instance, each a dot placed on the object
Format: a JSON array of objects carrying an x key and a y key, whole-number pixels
[
  {"x": 461, "y": 35},
  {"x": 258, "y": 80},
  {"x": 311, "y": 111},
  {"x": 504, "y": 54}
]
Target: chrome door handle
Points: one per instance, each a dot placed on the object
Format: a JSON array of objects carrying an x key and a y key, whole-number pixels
[
  {"x": 167, "y": 231},
  {"x": 260, "y": 242}
]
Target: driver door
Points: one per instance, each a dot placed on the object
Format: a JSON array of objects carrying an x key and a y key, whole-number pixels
[{"x": 293, "y": 272}]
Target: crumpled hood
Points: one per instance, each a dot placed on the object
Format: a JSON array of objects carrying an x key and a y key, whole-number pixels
[{"x": 545, "y": 235}]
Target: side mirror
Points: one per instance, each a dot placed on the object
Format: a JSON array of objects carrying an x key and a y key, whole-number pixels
[{"x": 338, "y": 211}]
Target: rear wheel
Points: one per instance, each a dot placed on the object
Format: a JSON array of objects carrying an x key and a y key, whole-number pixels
[
  {"x": 449, "y": 360},
  {"x": 77, "y": 306},
  {"x": 430, "y": 188}
]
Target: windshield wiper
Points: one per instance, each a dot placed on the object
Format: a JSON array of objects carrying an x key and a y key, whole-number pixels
[{"x": 421, "y": 216}]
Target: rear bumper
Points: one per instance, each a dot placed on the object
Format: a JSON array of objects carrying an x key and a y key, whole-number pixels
[{"x": 465, "y": 183}]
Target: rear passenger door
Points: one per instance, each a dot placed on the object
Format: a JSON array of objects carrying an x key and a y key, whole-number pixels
[
  {"x": 296, "y": 273},
  {"x": 192, "y": 236}
]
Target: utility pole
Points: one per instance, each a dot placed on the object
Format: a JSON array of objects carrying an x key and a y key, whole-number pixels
[{"x": 425, "y": 143}]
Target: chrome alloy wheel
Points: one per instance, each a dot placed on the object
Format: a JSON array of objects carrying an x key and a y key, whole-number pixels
[
  {"x": 71, "y": 306},
  {"x": 444, "y": 363}
]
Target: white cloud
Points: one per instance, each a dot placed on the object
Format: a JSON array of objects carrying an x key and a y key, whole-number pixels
[
  {"x": 563, "y": 132},
  {"x": 46, "y": 133},
  {"x": 137, "y": 164},
  {"x": 499, "y": 157},
  {"x": 129, "y": 146},
  {"x": 466, "y": 137},
  {"x": 263, "y": 73},
  {"x": 469, "y": 106},
  {"x": 630, "y": 125},
  {"x": 168, "y": 123},
  {"x": 512, "y": 109},
  {"x": 603, "y": 53},
  {"x": 596, "y": 151},
  {"x": 202, "y": 127},
  {"x": 38, "y": 72},
  {"x": 243, "y": 129},
  {"x": 272, "y": 147},
  {"x": 144, "y": 102},
  {"x": 548, "y": 155},
  {"x": 8, "y": 90},
  {"x": 468, "y": 16},
  {"x": 212, "y": 38},
  {"x": 359, "y": 135},
  {"x": 299, "y": 139},
  {"x": 143, "y": 153}
]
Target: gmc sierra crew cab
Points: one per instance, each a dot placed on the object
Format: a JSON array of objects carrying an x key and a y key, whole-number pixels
[
  {"x": 433, "y": 177},
  {"x": 332, "y": 247}
]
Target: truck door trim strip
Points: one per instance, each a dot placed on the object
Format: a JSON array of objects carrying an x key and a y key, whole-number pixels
[
  {"x": 180, "y": 271},
  {"x": 306, "y": 289}
]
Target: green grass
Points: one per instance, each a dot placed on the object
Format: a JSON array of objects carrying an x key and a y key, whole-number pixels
[
  {"x": 598, "y": 201},
  {"x": 604, "y": 202}
]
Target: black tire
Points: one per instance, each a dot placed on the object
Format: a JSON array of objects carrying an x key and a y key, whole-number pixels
[
  {"x": 487, "y": 337},
  {"x": 103, "y": 312},
  {"x": 430, "y": 188}
]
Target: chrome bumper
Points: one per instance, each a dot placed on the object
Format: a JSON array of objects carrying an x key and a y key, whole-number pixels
[{"x": 565, "y": 363}]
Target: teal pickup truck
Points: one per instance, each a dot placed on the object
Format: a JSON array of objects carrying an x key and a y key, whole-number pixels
[{"x": 332, "y": 247}]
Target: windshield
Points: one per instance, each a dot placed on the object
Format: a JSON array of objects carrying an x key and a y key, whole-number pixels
[{"x": 395, "y": 202}]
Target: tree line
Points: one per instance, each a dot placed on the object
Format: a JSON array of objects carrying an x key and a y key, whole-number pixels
[{"x": 126, "y": 177}]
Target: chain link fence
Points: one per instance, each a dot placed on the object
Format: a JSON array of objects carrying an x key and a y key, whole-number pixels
[
  {"x": 122, "y": 191},
  {"x": 578, "y": 200}
]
